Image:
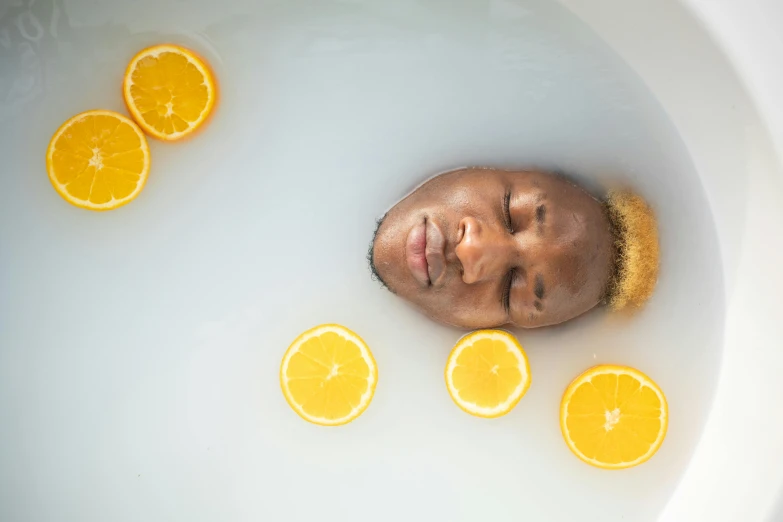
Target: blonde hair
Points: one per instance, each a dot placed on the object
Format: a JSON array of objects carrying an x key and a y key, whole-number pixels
[{"x": 636, "y": 251}]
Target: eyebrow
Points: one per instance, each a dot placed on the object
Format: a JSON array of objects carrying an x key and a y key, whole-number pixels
[
  {"x": 538, "y": 290},
  {"x": 540, "y": 218},
  {"x": 540, "y": 213},
  {"x": 505, "y": 296}
]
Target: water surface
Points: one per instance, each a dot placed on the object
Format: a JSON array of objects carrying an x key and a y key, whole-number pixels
[{"x": 140, "y": 347}]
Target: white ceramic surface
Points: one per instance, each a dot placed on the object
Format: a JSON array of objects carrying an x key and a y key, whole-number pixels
[
  {"x": 139, "y": 349},
  {"x": 735, "y": 473}
]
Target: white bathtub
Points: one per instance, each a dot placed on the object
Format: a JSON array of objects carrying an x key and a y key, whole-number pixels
[
  {"x": 139, "y": 348},
  {"x": 714, "y": 68}
]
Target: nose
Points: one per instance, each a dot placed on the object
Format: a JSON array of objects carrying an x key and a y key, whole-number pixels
[{"x": 484, "y": 252}]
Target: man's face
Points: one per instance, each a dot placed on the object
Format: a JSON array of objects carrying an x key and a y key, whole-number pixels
[{"x": 479, "y": 248}]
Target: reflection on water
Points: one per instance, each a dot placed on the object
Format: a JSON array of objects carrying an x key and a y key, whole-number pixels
[
  {"x": 42, "y": 49},
  {"x": 140, "y": 348},
  {"x": 21, "y": 33}
]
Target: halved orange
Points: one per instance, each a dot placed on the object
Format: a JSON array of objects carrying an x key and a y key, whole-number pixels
[
  {"x": 613, "y": 417},
  {"x": 487, "y": 373},
  {"x": 98, "y": 160},
  {"x": 328, "y": 375},
  {"x": 169, "y": 90}
]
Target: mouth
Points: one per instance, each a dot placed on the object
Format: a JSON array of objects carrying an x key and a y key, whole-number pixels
[
  {"x": 425, "y": 252},
  {"x": 435, "y": 251},
  {"x": 415, "y": 253}
]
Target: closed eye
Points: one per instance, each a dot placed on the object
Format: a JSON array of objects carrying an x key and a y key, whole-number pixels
[{"x": 507, "y": 211}]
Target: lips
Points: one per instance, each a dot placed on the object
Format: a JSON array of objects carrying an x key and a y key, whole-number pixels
[
  {"x": 435, "y": 251},
  {"x": 415, "y": 253},
  {"x": 425, "y": 252}
]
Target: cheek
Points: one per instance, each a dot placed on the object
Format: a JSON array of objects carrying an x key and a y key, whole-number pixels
[
  {"x": 462, "y": 201},
  {"x": 465, "y": 307}
]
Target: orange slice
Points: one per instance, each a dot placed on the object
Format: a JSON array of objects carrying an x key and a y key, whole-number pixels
[
  {"x": 328, "y": 375},
  {"x": 487, "y": 373},
  {"x": 98, "y": 160},
  {"x": 613, "y": 417},
  {"x": 169, "y": 91}
]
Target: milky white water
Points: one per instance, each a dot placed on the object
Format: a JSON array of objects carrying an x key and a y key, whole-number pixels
[{"x": 139, "y": 348}]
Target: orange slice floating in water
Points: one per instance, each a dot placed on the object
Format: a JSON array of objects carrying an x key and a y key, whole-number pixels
[
  {"x": 98, "y": 160},
  {"x": 487, "y": 373},
  {"x": 328, "y": 375},
  {"x": 169, "y": 90},
  {"x": 614, "y": 417}
]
